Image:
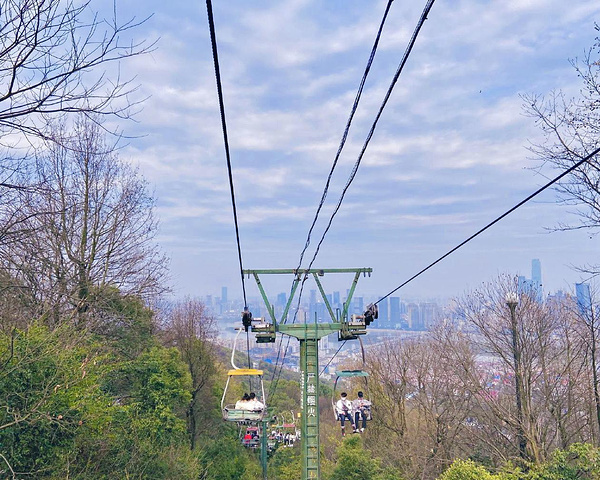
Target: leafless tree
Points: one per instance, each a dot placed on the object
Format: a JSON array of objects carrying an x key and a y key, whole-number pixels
[
  {"x": 494, "y": 381},
  {"x": 188, "y": 326},
  {"x": 53, "y": 60},
  {"x": 421, "y": 409},
  {"x": 572, "y": 130},
  {"x": 585, "y": 324},
  {"x": 536, "y": 350},
  {"x": 92, "y": 225},
  {"x": 56, "y": 58}
]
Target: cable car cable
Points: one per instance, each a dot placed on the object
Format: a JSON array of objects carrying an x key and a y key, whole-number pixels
[
  {"x": 331, "y": 359},
  {"x": 213, "y": 41},
  {"x": 521, "y": 203},
  {"x": 378, "y": 116},
  {"x": 346, "y": 130},
  {"x": 362, "y": 348},
  {"x": 343, "y": 140},
  {"x": 386, "y": 98},
  {"x": 369, "y": 136}
]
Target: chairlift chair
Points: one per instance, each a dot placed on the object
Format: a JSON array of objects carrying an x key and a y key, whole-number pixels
[
  {"x": 230, "y": 413},
  {"x": 343, "y": 374},
  {"x": 251, "y": 437}
]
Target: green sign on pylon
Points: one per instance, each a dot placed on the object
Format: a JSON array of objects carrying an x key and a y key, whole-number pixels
[{"x": 309, "y": 335}]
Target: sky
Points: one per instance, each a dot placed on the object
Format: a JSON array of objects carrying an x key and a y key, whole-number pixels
[{"x": 449, "y": 155}]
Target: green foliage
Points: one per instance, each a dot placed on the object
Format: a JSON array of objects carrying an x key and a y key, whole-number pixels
[
  {"x": 355, "y": 463},
  {"x": 135, "y": 427},
  {"x": 67, "y": 411},
  {"x": 467, "y": 470},
  {"x": 579, "y": 461},
  {"x": 44, "y": 379},
  {"x": 222, "y": 457},
  {"x": 286, "y": 464},
  {"x": 125, "y": 324},
  {"x": 157, "y": 385},
  {"x": 285, "y": 399}
]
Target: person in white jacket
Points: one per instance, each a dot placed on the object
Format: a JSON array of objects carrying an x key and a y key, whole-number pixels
[
  {"x": 243, "y": 403},
  {"x": 362, "y": 409},
  {"x": 254, "y": 403},
  {"x": 343, "y": 409}
]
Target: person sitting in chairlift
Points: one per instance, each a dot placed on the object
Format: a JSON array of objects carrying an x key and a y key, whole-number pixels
[
  {"x": 254, "y": 403},
  {"x": 361, "y": 407},
  {"x": 243, "y": 403},
  {"x": 343, "y": 408}
]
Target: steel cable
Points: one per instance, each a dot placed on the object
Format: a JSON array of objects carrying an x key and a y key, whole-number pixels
[
  {"x": 330, "y": 175},
  {"x": 213, "y": 41},
  {"x": 508, "y": 212}
]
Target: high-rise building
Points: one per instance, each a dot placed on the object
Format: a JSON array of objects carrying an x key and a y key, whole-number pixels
[
  {"x": 336, "y": 298},
  {"x": 428, "y": 313},
  {"x": 584, "y": 299},
  {"x": 384, "y": 314},
  {"x": 532, "y": 287},
  {"x": 525, "y": 285},
  {"x": 223, "y": 295},
  {"x": 395, "y": 315},
  {"x": 536, "y": 279},
  {"x": 350, "y": 309},
  {"x": 281, "y": 299},
  {"x": 359, "y": 305},
  {"x": 413, "y": 316}
]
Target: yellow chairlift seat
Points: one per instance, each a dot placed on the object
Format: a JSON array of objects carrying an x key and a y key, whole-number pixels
[{"x": 232, "y": 414}]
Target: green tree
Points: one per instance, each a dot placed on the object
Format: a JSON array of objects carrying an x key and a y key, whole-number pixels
[
  {"x": 285, "y": 464},
  {"x": 135, "y": 422},
  {"x": 45, "y": 380},
  {"x": 466, "y": 470},
  {"x": 354, "y": 462},
  {"x": 223, "y": 457},
  {"x": 123, "y": 323},
  {"x": 579, "y": 461}
]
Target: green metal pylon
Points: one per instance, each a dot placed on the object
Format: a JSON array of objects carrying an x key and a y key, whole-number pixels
[
  {"x": 309, "y": 335},
  {"x": 309, "y": 361},
  {"x": 263, "y": 447}
]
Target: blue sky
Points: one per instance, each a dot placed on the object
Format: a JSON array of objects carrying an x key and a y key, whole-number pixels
[{"x": 449, "y": 154}]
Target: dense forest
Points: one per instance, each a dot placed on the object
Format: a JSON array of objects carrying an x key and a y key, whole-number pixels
[{"x": 102, "y": 376}]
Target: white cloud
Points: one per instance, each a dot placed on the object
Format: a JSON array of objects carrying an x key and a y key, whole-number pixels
[{"x": 448, "y": 152}]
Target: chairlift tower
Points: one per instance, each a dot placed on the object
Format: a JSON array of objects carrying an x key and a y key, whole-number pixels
[{"x": 308, "y": 335}]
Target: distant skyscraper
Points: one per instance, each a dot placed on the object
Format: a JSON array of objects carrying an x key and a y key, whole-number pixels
[
  {"x": 584, "y": 298},
  {"x": 281, "y": 299},
  {"x": 350, "y": 307},
  {"x": 336, "y": 298},
  {"x": 525, "y": 286},
  {"x": 395, "y": 317},
  {"x": 427, "y": 314},
  {"x": 360, "y": 305},
  {"x": 223, "y": 294},
  {"x": 533, "y": 286},
  {"x": 384, "y": 314},
  {"x": 414, "y": 316},
  {"x": 536, "y": 278}
]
